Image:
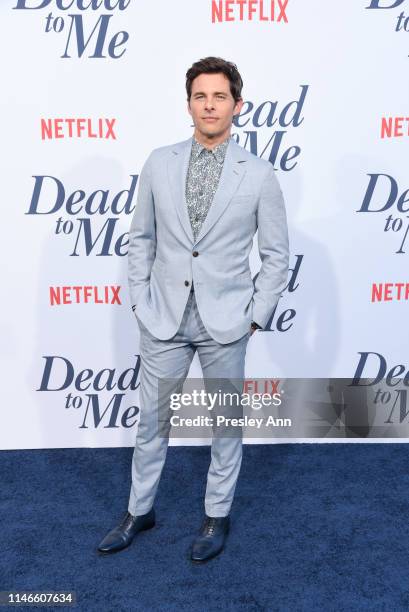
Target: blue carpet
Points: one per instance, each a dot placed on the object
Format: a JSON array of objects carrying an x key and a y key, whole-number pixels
[{"x": 314, "y": 527}]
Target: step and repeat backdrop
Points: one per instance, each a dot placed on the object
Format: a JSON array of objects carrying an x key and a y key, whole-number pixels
[{"x": 89, "y": 88}]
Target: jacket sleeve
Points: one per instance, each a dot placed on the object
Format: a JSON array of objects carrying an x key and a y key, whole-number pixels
[
  {"x": 273, "y": 246},
  {"x": 142, "y": 235}
]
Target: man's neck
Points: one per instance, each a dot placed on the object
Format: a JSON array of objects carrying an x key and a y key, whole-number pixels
[{"x": 210, "y": 143}]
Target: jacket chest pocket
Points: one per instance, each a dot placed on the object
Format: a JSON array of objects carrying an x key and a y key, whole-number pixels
[{"x": 243, "y": 199}]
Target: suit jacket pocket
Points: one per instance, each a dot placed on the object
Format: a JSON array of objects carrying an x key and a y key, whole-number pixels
[{"x": 243, "y": 200}]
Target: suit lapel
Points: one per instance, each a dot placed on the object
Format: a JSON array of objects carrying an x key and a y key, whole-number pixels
[
  {"x": 231, "y": 176},
  {"x": 178, "y": 164}
]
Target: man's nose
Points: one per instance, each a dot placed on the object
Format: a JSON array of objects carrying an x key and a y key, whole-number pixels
[{"x": 209, "y": 103}]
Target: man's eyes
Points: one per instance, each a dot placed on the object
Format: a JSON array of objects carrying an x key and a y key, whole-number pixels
[{"x": 219, "y": 97}]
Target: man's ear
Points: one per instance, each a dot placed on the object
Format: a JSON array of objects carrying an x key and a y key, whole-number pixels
[
  {"x": 238, "y": 106},
  {"x": 188, "y": 107}
]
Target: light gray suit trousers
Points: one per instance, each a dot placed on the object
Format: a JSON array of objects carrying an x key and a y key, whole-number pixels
[{"x": 172, "y": 359}]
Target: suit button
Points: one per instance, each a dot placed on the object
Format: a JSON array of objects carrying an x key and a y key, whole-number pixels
[
  {"x": 195, "y": 253},
  {"x": 187, "y": 283}
]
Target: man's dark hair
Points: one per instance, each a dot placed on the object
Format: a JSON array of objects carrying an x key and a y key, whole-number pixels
[{"x": 210, "y": 65}]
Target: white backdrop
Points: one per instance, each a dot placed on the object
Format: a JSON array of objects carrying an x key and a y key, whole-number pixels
[{"x": 344, "y": 68}]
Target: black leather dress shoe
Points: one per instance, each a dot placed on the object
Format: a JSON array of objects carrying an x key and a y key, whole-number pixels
[
  {"x": 121, "y": 536},
  {"x": 211, "y": 538}
]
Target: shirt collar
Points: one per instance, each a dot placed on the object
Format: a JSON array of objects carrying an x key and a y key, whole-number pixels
[{"x": 219, "y": 151}]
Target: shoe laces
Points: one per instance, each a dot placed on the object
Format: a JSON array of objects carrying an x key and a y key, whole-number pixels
[
  {"x": 127, "y": 519},
  {"x": 210, "y": 524}
]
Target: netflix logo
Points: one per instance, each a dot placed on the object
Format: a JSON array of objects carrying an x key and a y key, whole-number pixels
[
  {"x": 388, "y": 292},
  {"x": 77, "y": 128},
  {"x": 394, "y": 127},
  {"x": 88, "y": 294},
  {"x": 250, "y": 10}
]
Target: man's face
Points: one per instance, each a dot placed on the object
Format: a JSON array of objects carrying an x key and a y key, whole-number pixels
[{"x": 212, "y": 106}]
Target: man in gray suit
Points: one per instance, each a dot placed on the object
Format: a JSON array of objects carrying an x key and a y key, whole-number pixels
[{"x": 199, "y": 204}]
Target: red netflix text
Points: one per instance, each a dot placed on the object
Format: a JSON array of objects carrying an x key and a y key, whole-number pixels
[
  {"x": 394, "y": 127},
  {"x": 250, "y": 10},
  {"x": 77, "y": 128},
  {"x": 387, "y": 292},
  {"x": 84, "y": 294}
]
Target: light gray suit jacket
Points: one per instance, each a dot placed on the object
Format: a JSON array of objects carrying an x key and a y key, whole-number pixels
[{"x": 164, "y": 257}]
